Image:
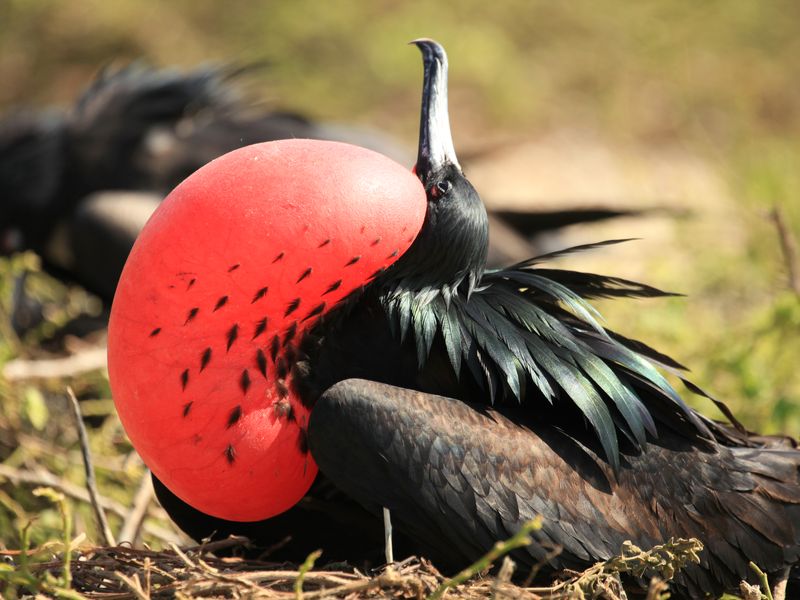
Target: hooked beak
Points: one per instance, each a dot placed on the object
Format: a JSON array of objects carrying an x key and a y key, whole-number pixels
[{"x": 435, "y": 140}]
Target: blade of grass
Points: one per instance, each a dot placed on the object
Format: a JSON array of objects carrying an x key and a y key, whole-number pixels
[
  {"x": 518, "y": 540},
  {"x": 307, "y": 565}
]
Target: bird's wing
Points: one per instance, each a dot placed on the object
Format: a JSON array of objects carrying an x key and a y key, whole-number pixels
[{"x": 459, "y": 477}]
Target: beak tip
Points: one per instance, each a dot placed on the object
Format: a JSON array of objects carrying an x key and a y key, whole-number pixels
[{"x": 430, "y": 48}]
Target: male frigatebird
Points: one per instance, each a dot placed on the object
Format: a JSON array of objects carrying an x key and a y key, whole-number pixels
[{"x": 304, "y": 303}]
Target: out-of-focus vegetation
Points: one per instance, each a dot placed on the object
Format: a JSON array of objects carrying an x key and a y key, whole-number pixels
[{"x": 714, "y": 81}]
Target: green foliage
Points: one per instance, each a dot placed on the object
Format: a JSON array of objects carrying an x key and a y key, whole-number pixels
[
  {"x": 34, "y": 408},
  {"x": 15, "y": 580},
  {"x": 757, "y": 367}
]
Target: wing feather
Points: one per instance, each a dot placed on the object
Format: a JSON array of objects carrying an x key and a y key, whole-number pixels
[{"x": 528, "y": 334}]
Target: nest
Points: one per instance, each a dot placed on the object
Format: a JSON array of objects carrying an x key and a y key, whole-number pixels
[
  {"x": 128, "y": 573},
  {"x": 125, "y": 573}
]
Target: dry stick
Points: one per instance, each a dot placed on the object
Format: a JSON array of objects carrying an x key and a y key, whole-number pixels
[
  {"x": 134, "y": 585},
  {"x": 339, "y": 578},
  {"x": 182, "y": 555},
  {"x": 147, "y": 576},
  {"x": 91, "y": 484},
  {"x": 789, "y": 249},
  {"x": 135, "y": 518},
  {"x": 779, "y": 589},
  {"x": 388, "y": 579},
  {"x": 534, "y": 572},
  {"x": 213, "y": 546},
  {"x": 657, "y": 588},
  {"x": 221, "y": 578},
  {"x": 56, "y": 368},
  {"x": 387, "y": 536},
  {"x": 315, "y": 577}
]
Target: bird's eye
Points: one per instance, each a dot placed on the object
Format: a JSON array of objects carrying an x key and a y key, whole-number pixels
[{"x": 441, "y": 188}]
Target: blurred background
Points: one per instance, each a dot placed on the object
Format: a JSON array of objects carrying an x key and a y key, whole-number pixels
[{"x": 682, "y": 116}]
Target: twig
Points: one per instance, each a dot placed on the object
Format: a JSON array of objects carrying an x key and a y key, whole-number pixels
[
  {"x": 657, "y": 588},
  {"x": 503, "y": 577},
  {"x": 91, "y": 484},
  {"x": 134, "y": 585},
  {"x": 310, "y": 577},
  {"x": 534, "y": 572},
  {"x": 520, "y": 539},
  {"x": 182, "y": 555},
  {"x": 388, "y": 579},
  {"x": 56, "y": 368},
  {"x": 223, "y": 578},
  {"x": 749, "y": 591},
  {"x": 387, "y": 536},
  {"x": 133, "y": 521},
  {"x": 781, "y": 582},
  {"x": 213, "y": 546},
  {"x": 147, "y": 575},
  {"x": 789, "y": 249}
]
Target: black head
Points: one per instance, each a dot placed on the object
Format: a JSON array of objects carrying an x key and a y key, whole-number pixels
[{"x": 451, "y": 248}]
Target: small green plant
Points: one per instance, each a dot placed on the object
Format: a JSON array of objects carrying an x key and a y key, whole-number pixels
[{"x": 23, "y": 577}]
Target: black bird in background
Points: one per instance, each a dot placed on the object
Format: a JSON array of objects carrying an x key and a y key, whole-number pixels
[
  {"x": 77, "y": 186},
  {"x": 468, "y": 400}
]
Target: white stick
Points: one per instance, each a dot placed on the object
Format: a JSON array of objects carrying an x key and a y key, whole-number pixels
[{"x": 387, "y": 532}]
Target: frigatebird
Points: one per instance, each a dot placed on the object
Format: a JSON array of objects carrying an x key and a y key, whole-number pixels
[{"x": 244, "y": 352}]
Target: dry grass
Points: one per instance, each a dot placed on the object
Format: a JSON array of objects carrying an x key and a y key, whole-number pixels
[{"x": 126, "y": 573}]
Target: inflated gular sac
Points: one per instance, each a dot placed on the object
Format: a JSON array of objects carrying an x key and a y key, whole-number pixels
[{"x": 234, "y": 266}]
